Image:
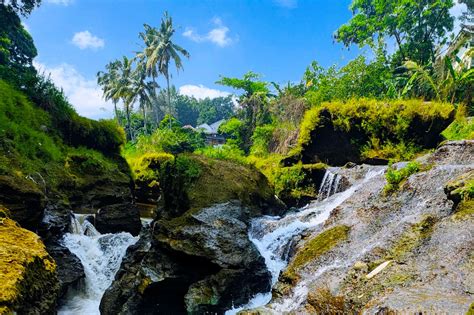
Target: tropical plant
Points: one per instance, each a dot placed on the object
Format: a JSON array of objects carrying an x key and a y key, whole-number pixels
[{"x": 159, "y": 50}]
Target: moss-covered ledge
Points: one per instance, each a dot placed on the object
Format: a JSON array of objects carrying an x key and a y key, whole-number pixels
[
  {"x": 28, "y": 283},
  {"x": 368, "y": 130}
]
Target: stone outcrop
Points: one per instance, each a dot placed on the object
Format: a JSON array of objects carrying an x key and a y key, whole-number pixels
[
  {"x": 29, "y": 283},
  {"x": 118, "y": 218},
  {"x": 197, "y": 257},
  {"x": 418, "y": 234}
]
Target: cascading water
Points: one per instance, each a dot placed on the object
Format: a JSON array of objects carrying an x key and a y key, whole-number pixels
[
  {"x": 273, "y": 235},
  {"x": 101, "y": 256}
]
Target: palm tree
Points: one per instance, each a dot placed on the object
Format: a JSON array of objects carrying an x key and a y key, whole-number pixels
[
  {"x": 142, "y": 91},
  {"x": 159, "y": 50},
  {"x": 108, "y": 80}
]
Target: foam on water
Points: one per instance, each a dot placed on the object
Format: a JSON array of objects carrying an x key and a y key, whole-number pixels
[
  {"x": 101, "y": 256},
  {"x": 273, "y": 235}
]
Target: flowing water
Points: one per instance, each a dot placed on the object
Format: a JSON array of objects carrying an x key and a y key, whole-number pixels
[
  {"x": 101, "y": 256},
  {"x": 273, "y": 236}
]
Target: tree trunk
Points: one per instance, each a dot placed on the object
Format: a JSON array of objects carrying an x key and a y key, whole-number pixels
[
  {"x": 169, "y": 96},
  {"x": 144, "y": 120},
  {"x": 129, "y": 129},
  {"x": 116, "y": 113}
]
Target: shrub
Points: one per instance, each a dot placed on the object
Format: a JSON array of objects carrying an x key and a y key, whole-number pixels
[
  {"x": 396, "y": 177},
  {"x": 261, "y": 138},
  {"x": 225, "y": 152},
  {"x": 147, "y": 166},
  {"x": 461, "y": 128},
  {"x": 233, "y": 129}
]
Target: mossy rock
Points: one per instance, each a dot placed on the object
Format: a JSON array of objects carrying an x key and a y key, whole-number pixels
[
  {"x": 193, "y": 182},
  {"x": 312, "y": 250},
  {"x": 461, "y": 188},
  {"x": 29, "y": 283},
  {"x": 370, "y": 130},
  {"x": 24, "y": 200}
]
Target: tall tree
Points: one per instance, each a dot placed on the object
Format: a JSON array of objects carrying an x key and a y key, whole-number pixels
[
  {"x": 23, "y": 7},
  {"x": 159, "y": 50},
  {"x": 109, "y": 81},
  {"x": 142, "y": 91},
  {"x": 417, "y": 26}
]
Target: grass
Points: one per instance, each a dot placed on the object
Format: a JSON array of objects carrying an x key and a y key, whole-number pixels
[{"x": 395, "y": 178}]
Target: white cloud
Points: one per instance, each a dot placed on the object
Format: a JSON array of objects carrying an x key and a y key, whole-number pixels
[
  {"x": 85, "y": 40},
  {"x": 60, "y": 2},
  {"x": 201, "y": 92},
  {"x": 84, "y": 94},
  {"x": 218, "y": 35},
  {"x": 289, "y": 4}
]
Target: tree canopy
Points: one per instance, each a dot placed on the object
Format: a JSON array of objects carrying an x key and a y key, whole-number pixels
[{"x": 417, "y": 26}]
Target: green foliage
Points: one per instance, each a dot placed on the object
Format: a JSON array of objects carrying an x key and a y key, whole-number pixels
[
  {"x": 24, "y": 131},
  {"x": 147, "y": 167},
  {"x": 386, "y": 126},
  {"x": 395, "y": 177},
  {"x": 175, "y": 140},
  {"x": 16, "y": 45},
  {"x": 23, "y": 7},
  {"x": 416, "y": 26},
  {"x": 225, "y": 152},
  {"x": 461, "y": 128},
  {"x": 249, "y": 83},
  {"x": 260, "y": 139},
  {"x": 233, "y": 129}
]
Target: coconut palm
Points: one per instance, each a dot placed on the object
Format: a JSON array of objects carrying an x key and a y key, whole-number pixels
[
  {"x": 108, "y": 81},
  {"x": 160, "y": 50},
  {"x": 142, "y": 91},
  {"x": 116, "y": 84}
]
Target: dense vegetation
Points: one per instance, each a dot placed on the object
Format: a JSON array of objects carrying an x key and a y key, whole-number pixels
[{"x": 389, "y": 106}]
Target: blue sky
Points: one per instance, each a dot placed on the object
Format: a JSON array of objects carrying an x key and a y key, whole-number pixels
[{"x": 277, "y": 38}]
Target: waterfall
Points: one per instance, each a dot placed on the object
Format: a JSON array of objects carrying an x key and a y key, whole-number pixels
[
  {"x": 329, "y": 185},
  {"x": 101, "y": 256},
  {"x": 273, "y": 236}
]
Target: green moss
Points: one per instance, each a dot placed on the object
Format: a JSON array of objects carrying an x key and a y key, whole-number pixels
[
  {"x": 412, "y": 238},
  {"x": 28, "y": 272},
  {"x": 464, "y": 210},
  {"x": 461, "y": 128},
  {"x": 470, "y": 311},
  {"x": 396, "y": 177},
  {"x": 384, "y": 129},
  {"x": 313, "y": 249}
]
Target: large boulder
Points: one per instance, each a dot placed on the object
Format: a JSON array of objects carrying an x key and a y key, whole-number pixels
[
  {"x": 29, "y": 283},
  {"x": 196, "y": 257},
  {"x": 117, "y": 218},
  {"x": 404, "y": 252},
  {"x": 24, "y": 200}
]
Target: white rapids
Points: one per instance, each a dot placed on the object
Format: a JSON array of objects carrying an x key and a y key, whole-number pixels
[
  {"x": 273, "y": 235},
  {"x": 101, "y": 256}
]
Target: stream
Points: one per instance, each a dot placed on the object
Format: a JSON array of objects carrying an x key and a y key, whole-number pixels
[
  {"x": 273, "y": 236},
  {"x": 101, "y": 256}
]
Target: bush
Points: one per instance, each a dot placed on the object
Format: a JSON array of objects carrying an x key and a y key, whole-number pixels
[
  {"x": 234, "y": 130},
  {"x": 396, "y": 177},
  {"x": 225, "y": 152},
  {"x": 261, "y": 138},
  {"x": 462, "y": 127}
]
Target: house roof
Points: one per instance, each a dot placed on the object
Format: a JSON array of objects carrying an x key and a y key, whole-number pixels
[{"x": 212, "y": 128}]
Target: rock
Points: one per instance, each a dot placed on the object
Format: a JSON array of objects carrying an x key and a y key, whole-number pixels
[
  {"x": 206, "y": 265},
  {"x": 29, "y": 283},
  {"x": 24, "y": 200},
  {"x": 69, "y": 267},
  {"x": 429, "y": 246},
  {"x": 116, "y": 218}
]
